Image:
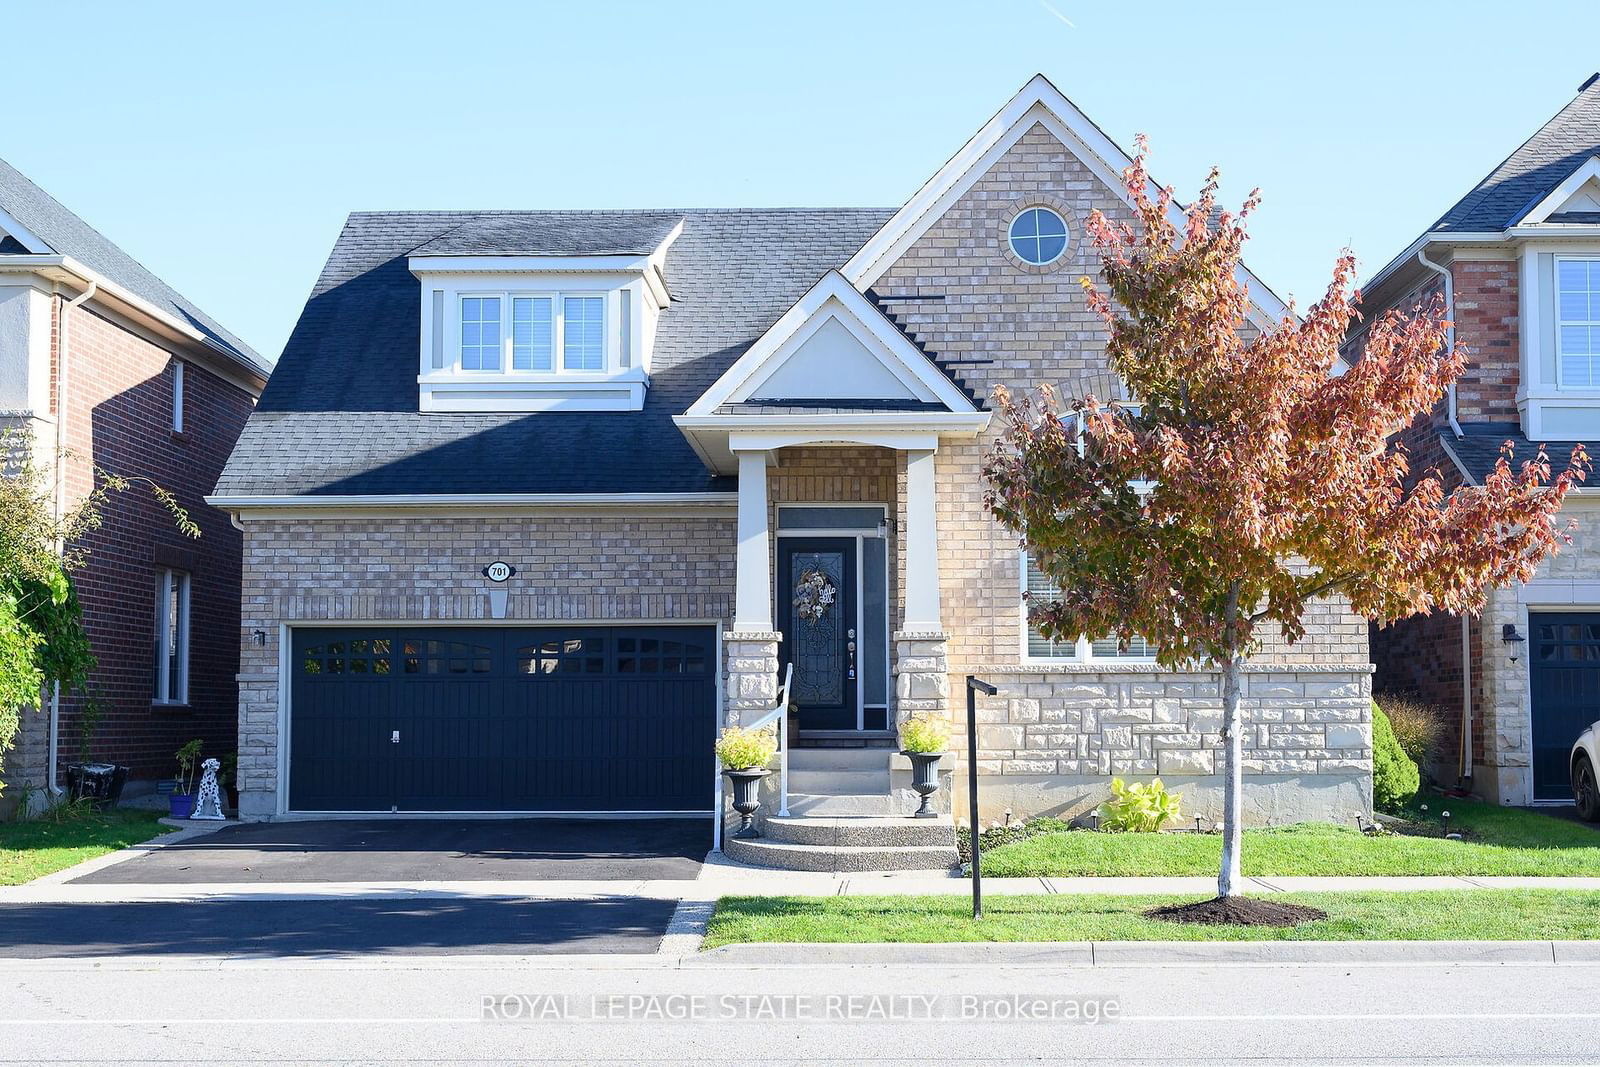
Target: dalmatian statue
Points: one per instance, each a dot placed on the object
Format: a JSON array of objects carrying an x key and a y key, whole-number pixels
[{"x": 208, "y": 805}]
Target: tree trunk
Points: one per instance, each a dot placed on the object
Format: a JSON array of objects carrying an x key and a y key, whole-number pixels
[
  {"x": 1232, "y": 755},
  {"x": 1233, "y": 780}
]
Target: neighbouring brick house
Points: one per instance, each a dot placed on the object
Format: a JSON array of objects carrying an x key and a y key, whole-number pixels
[
  {"x": 1517, "y": 260},
  {"x": 532, "y": 500},
  {"x": 102, "y": 362}
]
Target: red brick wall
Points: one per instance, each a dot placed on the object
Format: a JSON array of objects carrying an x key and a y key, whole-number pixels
[
  {"x": 1486, "y": 325},
  {"x": 119, "y": 418}
]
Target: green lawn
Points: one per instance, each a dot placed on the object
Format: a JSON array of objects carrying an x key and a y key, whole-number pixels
[
  {"x": 30, "y": 850},
  {"x": 1499, "y": 841},
  {"x": 1468, "y": 915}
]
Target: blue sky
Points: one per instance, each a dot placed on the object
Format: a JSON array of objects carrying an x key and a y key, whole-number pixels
[{"x": 224, "y": 144}]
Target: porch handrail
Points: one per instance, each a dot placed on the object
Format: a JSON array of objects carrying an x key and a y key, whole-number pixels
[{"x": 778, "y": 712}]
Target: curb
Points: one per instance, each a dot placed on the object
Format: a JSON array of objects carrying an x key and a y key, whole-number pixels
[{"x": 1145, "y": 953}]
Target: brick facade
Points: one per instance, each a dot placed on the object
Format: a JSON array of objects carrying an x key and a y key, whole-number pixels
[
  {"x": 420, "y": 568},
  {"x": 1035, "y": 325},
  {"x": 1058, "y": 731},
  {"x": 118, "y": 419}
]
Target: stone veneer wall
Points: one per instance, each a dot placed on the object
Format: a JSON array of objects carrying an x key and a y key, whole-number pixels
[
  {"x": 1567, "y": 581},
  {"x": 408, "y": 568},
  {"x": 1060, "y": 729}
]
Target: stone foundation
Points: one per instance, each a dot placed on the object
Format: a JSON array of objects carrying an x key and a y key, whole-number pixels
[
  {"x": 1049, "y": 742},
  {"x": 921, "y": 674}
]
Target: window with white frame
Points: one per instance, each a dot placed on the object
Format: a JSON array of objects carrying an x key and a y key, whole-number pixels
[
  {"x": 1578, "y": 321},
  {"x": 523, "y": 332},
  {"x": 172, "y": 637},
  {"x": 177, "y": 396},
  {"x": 1040, "y": 647}
]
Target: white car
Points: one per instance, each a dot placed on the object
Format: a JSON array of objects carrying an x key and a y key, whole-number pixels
[{"x": 1585, "y": 760}]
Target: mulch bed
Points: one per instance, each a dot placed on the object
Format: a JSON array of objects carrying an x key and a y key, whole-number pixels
[{"x": 1237, "y": 911}]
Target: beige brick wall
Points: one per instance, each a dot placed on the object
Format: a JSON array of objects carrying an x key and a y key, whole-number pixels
[
  {"x": 1035, "y": 325},
  {"x": 422, "y": 568}
]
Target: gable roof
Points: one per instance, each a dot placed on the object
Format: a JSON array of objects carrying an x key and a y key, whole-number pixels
[
  {"x": 833, "y": 300},
  {"x": 339, "y": 416},
  {"x": 1038, "y": 103},
  {"x": 1528, "y": 175},
  {"x": 63, "y": 233}
]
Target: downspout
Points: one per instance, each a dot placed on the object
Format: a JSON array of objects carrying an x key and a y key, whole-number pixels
[
  {"x": 1464, "y": 757},
  {"x": 61, "y": 503},
  {"x": 1450, "y": 332}
]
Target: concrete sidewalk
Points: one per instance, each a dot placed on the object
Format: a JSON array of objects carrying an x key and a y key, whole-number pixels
[{"x": 719, "y": 879}]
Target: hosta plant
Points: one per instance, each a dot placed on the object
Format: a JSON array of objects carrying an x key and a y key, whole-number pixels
[
  {"x": 1138, "y": 808},
  {"x": 924, "y": 733},
  {"x": 742, "y": 750}
]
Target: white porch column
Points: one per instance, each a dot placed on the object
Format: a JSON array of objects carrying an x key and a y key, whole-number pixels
[
  {"x": 920, "y": 542},
  {"x": 752, "y": 606}
]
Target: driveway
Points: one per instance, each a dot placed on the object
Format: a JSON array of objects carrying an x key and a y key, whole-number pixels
[{"x": 423, "y": 850}]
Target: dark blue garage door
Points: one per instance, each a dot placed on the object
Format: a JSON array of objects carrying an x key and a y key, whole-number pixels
[
  {"x": 1564, "y": 687},
  {"x": 558, "y": 718}
]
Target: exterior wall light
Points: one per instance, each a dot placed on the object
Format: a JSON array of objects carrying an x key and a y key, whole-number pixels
[
  {"x": 258, "y": 637},
  {"x": 1513, "y": 641}
]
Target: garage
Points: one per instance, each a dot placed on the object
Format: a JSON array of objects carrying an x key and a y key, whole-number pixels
[
  {"x": 1564, "y": 692},
  {"x": 549, "y": 718}
]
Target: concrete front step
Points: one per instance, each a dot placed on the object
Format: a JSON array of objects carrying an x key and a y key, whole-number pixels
[
  {"x": 833, "y": 781},
  {"x": 765, "y": 852},
  {"x": 839, "y": 759},
  {"x": 879, "y": 804},
  {"x": 859, "y": 830}
]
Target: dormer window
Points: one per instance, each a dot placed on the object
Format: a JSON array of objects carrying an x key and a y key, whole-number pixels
[
  {"x": 1578, "y": 321},
  {"x": 541, "y": 325},
  {"x": 556, "y": 321}
]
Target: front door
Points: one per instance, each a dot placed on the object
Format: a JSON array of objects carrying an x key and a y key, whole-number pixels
[
  {"x": 1564, "y": 689},
  {"x": 817, "y": 599}
]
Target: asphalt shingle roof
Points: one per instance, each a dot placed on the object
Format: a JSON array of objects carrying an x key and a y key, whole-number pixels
[
  {"x": 68, "y": 235},
  {"x": 1479, "y": 449},
  {"x": 554, "y": 233},
  {"x": 339, "y": 415},
  {"x": 1528, "y": 175}
]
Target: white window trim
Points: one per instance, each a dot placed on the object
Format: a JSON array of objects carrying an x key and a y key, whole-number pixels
[
  {"x": 1066, "y": 236},
  {"x": 1082, "y": 648},
  {"x": 1555, "y": 308},
  {"x": 610, "y": 352},
  {"x": 170, "y": 691}
]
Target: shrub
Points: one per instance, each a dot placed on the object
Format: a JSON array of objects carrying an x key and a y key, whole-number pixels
[
  {"x": 1138, "y": 808},
  {"x": 924, "y": 733},
  {"x": 742, "y": 750},
  {"x": 1395, "y": 779},
  {"x": 1419, "y": 727}
]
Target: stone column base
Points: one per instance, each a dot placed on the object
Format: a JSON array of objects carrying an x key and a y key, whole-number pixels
[
  {"x": 750, "y": 674},
  {"x": 921, "y": 674}
]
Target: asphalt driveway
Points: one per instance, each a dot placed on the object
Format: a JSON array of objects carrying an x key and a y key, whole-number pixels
[{"x": 423, "y": 850}]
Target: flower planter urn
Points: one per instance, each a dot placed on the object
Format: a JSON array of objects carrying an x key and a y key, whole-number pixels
[
  {"x": 746, "y": 798},
  {"x": 180, "y": 804},
  {"x": 925, "y": 780}
]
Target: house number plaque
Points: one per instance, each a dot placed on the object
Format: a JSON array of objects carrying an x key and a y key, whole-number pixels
[{"x": 499, "y": 571}]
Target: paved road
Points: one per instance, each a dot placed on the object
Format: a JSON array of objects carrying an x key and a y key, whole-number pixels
[
  {"x": 437, "y": 925},
  {"x": 395, "y": 1010},
  {"x": 423, "y": 850}
]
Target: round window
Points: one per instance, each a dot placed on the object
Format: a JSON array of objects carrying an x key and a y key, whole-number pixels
[{"x": 1038, "y": 236}]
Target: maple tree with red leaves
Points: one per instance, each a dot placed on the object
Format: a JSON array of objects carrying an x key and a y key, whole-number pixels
[{"x": 1247, "y": 480}]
